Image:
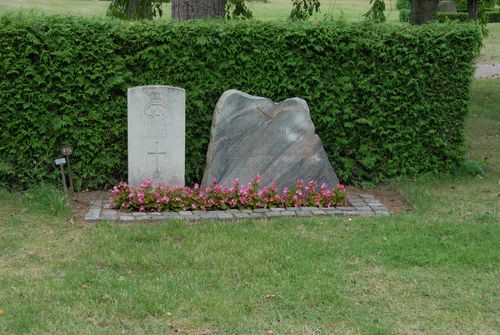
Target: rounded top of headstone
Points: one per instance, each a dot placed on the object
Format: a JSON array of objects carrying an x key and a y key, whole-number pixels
[
  {"x": 447, "y": 7},
  {"x": 231, "y": 92},
  {"x": 165, "y": 87}
]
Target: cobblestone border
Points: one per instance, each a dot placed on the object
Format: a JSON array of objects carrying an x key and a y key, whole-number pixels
[{"x": 362, "y": 205}]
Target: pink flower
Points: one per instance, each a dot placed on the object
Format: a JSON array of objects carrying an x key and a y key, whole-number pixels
[
  {"x": 217, "y": 196},
  {"x": 147, "y": 183},
  {"x": 140, "y": 197},
  {"x": 340, "y": 187}
]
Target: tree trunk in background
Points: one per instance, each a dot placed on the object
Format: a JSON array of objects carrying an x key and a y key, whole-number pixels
[
  {"x": 197, "y": 9},
  {"x": 140, "y": 9},
  {"x": 473, "y": 9},
  {"x": 133, "y": 8},
  {"x": 423, "y": 11}
]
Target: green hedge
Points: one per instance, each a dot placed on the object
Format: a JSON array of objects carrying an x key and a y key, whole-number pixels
[
  {"x": 403, "y": 4},
  {"x": 487, "y": 5},
  {"x": 404, "y": 15},
  {"x": 461, "y": 6},
  {"x": 404, "y": 7},
  {"x": 493, "y": 17},
  {"x": 387, "y": 100},
  {"x": 444, "y": 17}
]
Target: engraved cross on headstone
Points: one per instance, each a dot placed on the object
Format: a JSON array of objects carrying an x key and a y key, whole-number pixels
[{"x": 157, "y": 172}]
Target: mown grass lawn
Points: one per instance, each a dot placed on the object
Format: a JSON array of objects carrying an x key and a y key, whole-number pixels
[
  {"x": 73, "y": 7},
  {"x": 433, "y": 270}
]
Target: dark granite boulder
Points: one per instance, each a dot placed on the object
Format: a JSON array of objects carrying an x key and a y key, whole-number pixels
[{"x": 252, "y": 135}]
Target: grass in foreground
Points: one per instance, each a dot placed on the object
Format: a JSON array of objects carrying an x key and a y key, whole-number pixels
[{"x": 434, "y": 270}]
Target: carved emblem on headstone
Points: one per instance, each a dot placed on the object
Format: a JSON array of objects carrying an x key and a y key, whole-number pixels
[{"x": 156, "y": 111}]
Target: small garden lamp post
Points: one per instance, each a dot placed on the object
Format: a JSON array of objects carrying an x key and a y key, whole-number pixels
[
  {"x": 61, "y": 162},
  {"x": 67, "y": 150}
]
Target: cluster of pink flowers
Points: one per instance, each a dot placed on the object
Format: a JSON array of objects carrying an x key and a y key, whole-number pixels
[{"x": 217, "y": 197}]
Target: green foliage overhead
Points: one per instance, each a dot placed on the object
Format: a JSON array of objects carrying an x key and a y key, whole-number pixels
[
  {"x": 386, "y": 100},
  {"x": 143, "y": 9},
  {"x": 237, "y": 9},
  {"x": 303, "y": 9},
  {"x": 403, "y": 4},
  {"x": 376, "y": 12}
]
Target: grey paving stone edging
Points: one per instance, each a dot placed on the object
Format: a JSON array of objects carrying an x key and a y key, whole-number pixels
[
  {"x": 362, "y": 205},
  {"x": 487, "y": 71}
]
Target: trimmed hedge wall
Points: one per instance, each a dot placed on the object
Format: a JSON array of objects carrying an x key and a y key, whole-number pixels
[
  {"x": 491, "y": 17},
  {"x": 444, "y": 17},
  {"x": 404, "y": 7},
  {"x": 387, "y": 100}
]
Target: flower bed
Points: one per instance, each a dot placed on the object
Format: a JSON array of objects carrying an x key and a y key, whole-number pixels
[{"x": 217, "y": 197}]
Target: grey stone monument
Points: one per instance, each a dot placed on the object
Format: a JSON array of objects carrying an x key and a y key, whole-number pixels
[
  {"x": 252, "y": 135},
  {"x": 447, "y": 7},
  {"x": 156, "y": 134}
]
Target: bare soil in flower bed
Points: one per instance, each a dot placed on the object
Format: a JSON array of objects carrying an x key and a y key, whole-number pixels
[{"x": 394, "y": 201}]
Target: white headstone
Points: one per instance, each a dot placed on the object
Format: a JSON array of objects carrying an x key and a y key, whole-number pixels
[{"x": 156, "y": 134}]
